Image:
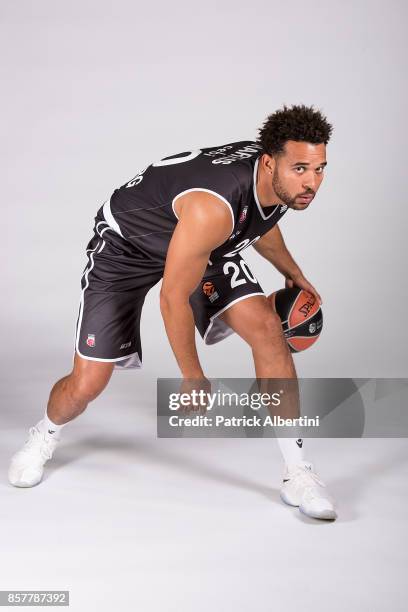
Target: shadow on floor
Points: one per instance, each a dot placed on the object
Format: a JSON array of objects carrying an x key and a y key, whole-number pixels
[{"x": 138, "y": 449}]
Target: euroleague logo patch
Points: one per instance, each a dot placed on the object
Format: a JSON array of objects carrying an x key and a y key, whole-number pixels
[
  {"x": 209, "y": 290},
  {"x": 90, "y": 340}
]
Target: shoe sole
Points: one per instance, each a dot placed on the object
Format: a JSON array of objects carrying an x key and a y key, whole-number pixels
[
  {"x": 21, "y": 484},
  {"x": 24, "y": 485},
  {"x": 325, "y": 515}
]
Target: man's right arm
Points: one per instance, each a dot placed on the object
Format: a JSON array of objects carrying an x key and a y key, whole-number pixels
[{"x": 204, "y": 224}]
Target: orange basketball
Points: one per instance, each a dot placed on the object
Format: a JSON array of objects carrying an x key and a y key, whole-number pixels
[{"x": 301, "y": 316}]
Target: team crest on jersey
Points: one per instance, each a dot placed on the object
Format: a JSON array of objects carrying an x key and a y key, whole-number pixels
[
  {"x": 283, "y": 208},
  {"x": 243, "y": 214},
  {"x": 90, "y": 340},
  {"x": 210, "y": 292}
]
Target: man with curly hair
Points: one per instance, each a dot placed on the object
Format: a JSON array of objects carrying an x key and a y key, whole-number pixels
[{"x": 185, "y": 219}]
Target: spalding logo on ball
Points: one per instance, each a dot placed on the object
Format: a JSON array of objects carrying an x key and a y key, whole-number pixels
[{"x": 301, "y": 316}]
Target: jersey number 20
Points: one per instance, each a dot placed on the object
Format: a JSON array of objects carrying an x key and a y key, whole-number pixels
[{"x": 235, "y": 280}]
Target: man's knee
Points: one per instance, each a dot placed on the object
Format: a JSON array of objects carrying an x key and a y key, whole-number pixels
[
  {"x": 83, "y": 390},
  {"x": 88, "y": 379},
  {"x": 267, "y": 330}
]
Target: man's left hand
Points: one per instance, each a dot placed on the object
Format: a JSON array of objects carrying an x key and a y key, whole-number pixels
[{"x": 300, "y": 281}]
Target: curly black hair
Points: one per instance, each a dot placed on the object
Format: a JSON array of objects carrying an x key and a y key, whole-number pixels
[{"x": 300, "y": 123}]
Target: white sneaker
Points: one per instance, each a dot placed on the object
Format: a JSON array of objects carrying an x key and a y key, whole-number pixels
[
  {"x": 303, "y": 488},
  {"x": 27, "y": 465}
]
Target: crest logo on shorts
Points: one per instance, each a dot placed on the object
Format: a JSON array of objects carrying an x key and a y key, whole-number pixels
[
  {"x": 243, "y": 215},
  {"x": 90, "y": 340},
  {"x": 210, "y": 292},
  {"x": 208, "y": 288}
]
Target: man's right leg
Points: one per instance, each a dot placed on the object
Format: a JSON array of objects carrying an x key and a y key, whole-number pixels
[
  {"x": 114, "y": 284},
  {"x": 69, "y": 397}
]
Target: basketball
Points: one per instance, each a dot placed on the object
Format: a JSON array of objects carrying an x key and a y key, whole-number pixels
[{"x": 301, "y": 316}]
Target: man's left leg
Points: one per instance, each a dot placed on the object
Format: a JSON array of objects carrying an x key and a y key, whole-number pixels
[{"x": 256, "y": 322}]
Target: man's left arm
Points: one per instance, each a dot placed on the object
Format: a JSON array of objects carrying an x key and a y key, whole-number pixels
[{"x": 273, "y": 248}]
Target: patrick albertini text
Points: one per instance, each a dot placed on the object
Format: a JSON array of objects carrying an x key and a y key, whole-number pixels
[
  {"x": 221, "y": 400},
  {"x": 244, "y": 421}
]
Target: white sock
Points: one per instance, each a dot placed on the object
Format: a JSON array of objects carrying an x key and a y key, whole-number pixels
[
  {"x": 292, "y": 450},
  {"x": 50, "y": 429}
]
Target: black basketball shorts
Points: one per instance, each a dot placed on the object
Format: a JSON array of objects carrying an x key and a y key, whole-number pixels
[{"x": 115, "y": 282}]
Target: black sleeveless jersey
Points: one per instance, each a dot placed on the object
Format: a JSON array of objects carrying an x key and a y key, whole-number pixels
[{"x": 142, "y": 210}]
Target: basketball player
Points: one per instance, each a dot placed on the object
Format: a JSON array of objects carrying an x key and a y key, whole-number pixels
[{"x": 186, "y": 219}]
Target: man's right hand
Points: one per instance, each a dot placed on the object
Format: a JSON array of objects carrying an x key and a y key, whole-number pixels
[{"x": 201, "y": 387}]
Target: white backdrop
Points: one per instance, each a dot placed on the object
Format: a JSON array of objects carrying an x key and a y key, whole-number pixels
[{"x": 93, "y": 91}]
